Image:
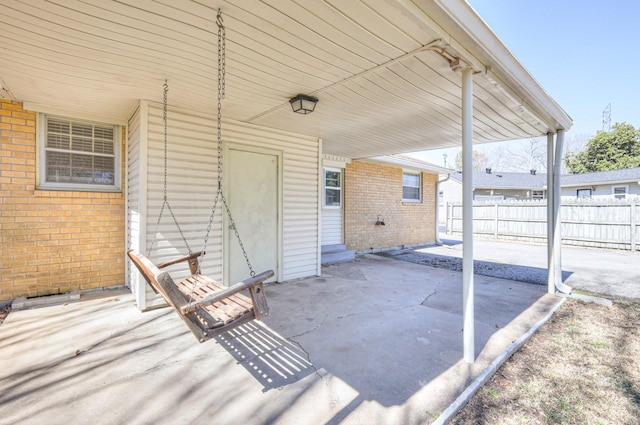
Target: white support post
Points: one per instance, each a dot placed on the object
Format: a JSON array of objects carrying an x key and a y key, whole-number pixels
[
  {"x": 551, "y": 281},
  {"x": 468, "y": 314},
  {"x": 557, "y": 234}
]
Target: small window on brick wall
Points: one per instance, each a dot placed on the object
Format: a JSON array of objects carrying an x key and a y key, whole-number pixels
[
  {"x": 78, "y": 155},
  {"x": 411, "y": 184}
]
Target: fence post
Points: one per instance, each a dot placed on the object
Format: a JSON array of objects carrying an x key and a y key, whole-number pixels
[
  {"x": 446, "y": 218},
  {"x": 495, "y": 223},
  {"x": 632, "y": 207}
]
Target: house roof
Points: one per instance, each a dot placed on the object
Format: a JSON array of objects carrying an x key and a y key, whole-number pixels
[
  {"x": 386, "y": 72},
  {"x": 503, "y": 180},
  {"x": 409, "y": 163},
  {"x": 626, "y": 175}
]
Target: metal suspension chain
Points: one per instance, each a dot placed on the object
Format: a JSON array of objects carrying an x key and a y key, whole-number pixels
[
  {"x": 235, "y": 229},
  {"x": 165, "y": 200},
  {"x": 219, "y": 193},
  {"x": 165, "y": 91}
]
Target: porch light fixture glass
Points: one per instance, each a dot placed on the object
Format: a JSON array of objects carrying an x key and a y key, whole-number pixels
[{"x": 303, "y": 104}]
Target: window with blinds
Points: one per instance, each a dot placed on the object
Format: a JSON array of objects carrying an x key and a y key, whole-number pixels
[
  {"x": 411, "y": 187},
  {"x": 79, "y": 155}
]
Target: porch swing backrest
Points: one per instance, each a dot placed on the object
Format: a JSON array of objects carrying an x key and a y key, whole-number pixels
[{"x": 212, "y": 308}]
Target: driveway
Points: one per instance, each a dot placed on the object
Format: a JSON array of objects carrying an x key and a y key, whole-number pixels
[
  {"x": 374, "y": 341},
  {"x": 607, "y": 272}
]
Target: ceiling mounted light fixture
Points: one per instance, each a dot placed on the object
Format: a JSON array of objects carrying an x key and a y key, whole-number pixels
[{"x": 303, "y": 104}]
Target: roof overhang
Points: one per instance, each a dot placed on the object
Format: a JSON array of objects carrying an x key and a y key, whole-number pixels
[
  {"x": 409, "y": 164},
  {"x": 600, "y": 183},
  {"x": 386, "y": 73},
  {"x": 511, "y": 188}
]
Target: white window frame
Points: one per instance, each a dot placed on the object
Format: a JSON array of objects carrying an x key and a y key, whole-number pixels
[
  {"x": 625, "y": 187},
  {"x": 583, "y": 191},
  {"x": 537, "y": 194},
  {"x": 42, "y": 182},
  {"x": 419, "y": 176},
  {"x": 339, "y": 188}
]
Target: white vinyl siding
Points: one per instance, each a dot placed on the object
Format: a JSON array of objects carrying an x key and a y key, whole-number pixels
[
  {"x": 136, "y": 163},
  {"x": 332, "y": 228},
  {"x": 192, "y": 184}
]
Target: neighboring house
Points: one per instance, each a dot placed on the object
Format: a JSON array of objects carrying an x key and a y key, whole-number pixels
[
  {"x": 81, "y": 131},
  {"x": 615, "y": 184},
  {"x": 490, "y": 185},
  {"x": 501, "y": 186}
]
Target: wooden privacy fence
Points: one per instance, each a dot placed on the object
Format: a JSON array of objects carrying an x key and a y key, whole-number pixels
[{"x": 612, "y": 224}]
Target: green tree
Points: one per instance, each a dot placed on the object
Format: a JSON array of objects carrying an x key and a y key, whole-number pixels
[
  {"x": 608, "y": 150},
  {"x": 479, "y": 161}
]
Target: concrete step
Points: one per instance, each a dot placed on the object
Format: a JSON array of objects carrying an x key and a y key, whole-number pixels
[
  {"x": 333, "y": 248},
  {"x": 336, "y": 254}
]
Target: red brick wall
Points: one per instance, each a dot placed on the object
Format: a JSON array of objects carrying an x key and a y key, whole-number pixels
[
  {"x": 372, "y": 190},
  {"x": 52, "y": 241}
]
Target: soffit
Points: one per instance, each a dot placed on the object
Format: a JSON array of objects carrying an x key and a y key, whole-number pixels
[{"x": 376, "y": 66}]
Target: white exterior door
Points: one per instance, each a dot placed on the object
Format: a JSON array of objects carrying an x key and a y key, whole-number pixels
[
  {"x": 252, "y": 193},
  {"x": 332, "y": 209}
]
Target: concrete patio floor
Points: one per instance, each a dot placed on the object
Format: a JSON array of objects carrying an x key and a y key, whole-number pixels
[{"x": 374, "y": 341}]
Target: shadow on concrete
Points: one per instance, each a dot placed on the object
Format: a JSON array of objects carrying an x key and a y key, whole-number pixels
[
  {"x": 450, "y": 242},
  {"x": 272, "y": 360}
]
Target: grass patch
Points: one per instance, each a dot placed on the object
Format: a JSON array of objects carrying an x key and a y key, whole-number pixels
[{"x": 581, "y": 367}]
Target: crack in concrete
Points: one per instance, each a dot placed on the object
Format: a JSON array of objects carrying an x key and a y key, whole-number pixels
[
  {"x": 334, "y": 396},
  {"x": 319, "y": 325},
  {"x": 308, "y": 358},
  {"x": 434, "y": 292}
]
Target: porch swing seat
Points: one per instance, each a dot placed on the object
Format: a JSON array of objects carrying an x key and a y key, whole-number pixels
[{"x": 207, "y": 307}]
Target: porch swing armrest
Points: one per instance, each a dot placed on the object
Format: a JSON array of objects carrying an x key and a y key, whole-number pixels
[
  {"x": 226, "y": 293},
  {"x": 192, "y": 259}
]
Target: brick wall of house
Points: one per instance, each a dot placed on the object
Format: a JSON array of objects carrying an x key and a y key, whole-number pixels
[
  {"x": 52, "y": 241},
  {"x": 373, "y": 190}
]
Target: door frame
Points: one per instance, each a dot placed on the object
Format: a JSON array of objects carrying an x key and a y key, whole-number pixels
[
  {"x": 228, "y": 236},
  {"x": 326, "y": 209}
]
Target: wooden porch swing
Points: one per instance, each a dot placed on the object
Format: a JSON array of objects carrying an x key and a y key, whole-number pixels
[{"x": 207, "y": 307}]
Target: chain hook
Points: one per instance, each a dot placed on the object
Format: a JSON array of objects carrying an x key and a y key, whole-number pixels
[{"x": 219, "y": 19}]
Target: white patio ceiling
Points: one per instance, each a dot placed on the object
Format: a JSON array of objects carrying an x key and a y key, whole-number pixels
[{"x": 380, "y": 68}]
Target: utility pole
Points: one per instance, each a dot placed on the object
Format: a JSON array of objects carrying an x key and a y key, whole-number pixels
[{"x": 606, "y": 118}]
